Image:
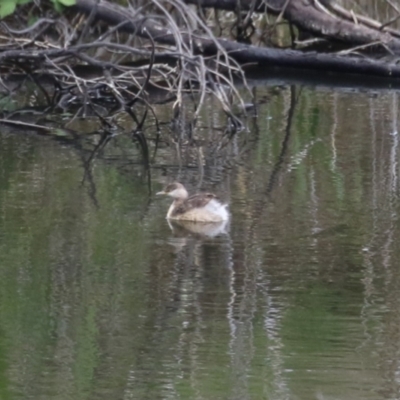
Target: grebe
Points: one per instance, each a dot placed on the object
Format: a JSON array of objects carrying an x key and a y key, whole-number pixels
[
  {"x": 198, "y": 230},
  {"x": 201, "y": 207}
]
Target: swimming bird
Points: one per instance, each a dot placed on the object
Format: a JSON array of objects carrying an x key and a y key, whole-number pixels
[
  {"x": 182, "y": 228},
  {"x": 201, "y": 207}
]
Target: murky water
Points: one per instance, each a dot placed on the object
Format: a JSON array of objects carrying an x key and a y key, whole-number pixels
[{"x": 298, "y": 299}]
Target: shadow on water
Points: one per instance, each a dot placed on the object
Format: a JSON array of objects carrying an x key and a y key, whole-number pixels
[{"x": 295, "y": 298}]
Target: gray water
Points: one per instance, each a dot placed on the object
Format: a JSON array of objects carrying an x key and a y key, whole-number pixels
[{"x": 297, "y": 298}]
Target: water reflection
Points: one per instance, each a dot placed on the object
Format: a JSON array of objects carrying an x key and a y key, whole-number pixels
[{"x": 295, "y": 298}]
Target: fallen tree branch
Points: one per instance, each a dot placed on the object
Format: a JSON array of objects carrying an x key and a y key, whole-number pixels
[
  {"x": 243, "y": 53},
  {"x": 369, "y": 22},
  {"x": 308, "y": 17}
]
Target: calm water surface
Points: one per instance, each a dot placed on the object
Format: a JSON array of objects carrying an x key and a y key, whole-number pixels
[{"x": 298, "y": 298}]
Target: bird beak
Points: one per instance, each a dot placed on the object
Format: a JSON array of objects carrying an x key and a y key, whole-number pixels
[{"x": 160, "y": 193}]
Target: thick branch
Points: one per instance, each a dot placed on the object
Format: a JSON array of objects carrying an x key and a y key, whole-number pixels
[
  {"x": 306, "y": 16},
  {"x": 149, "y": 28}
]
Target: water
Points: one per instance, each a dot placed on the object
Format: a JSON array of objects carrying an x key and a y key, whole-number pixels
[{"x": 101, "y": 299}]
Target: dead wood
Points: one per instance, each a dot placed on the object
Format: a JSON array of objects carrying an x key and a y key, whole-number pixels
[
  {"x": 149, "y": 28},
  {"x": 172, "y": 49},
  {"x": 304, "y": 14},
  {"x": 321, "y": 18}
]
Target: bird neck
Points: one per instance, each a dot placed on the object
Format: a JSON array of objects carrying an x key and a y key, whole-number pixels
[{"x": 180, "y": 194}]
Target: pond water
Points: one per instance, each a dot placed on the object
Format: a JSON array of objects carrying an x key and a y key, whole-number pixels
[{"x": 298, "y": 298}]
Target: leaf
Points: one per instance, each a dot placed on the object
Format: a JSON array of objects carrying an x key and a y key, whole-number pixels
[
  {"x": 61, "y": 132},
  {"x": 67, "y": 2},
  {"x": 7, "y": 7},
  {"x": 32, "y": 19},
  {"x": 57, "y": 6}
]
